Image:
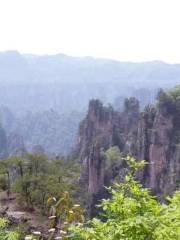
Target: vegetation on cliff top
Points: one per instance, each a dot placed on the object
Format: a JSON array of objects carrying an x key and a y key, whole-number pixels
[{"x": 169, "y": 104}]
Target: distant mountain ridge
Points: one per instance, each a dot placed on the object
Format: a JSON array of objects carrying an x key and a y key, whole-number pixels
[
  {"x": 31, "y": 83},
  {"x": 31, "y": 86}
]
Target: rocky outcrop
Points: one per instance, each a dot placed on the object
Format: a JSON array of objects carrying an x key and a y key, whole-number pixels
[
  {"x": 96, "y": 132},
  {"x": 17, "y": 217},
  {"x": 151, "y": 135},
  {"x": 159, "y": 150},
  {"x": 103, "y": 128}
]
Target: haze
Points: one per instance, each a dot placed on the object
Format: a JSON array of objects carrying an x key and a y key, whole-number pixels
[{"x": 125, "y": 30}]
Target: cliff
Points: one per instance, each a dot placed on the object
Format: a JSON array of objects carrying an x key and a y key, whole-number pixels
[
  {"x": 152, "y": 135},
  {"x": 96, "y": 132}
]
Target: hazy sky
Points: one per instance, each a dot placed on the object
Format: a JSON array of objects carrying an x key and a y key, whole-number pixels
[{"x": 127, "y": 30}]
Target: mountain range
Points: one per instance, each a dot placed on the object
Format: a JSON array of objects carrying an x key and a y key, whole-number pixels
[{"x": 52, "y": 87}]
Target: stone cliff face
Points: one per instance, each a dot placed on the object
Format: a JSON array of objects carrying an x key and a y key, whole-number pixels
[
  {"x": 96, "y": 132},
  {"x": 159, "y": 150},
  {"x": 102, "y": 128},
  {"x": 149, "y": 135},
  {"x": 155, "y": 145}
]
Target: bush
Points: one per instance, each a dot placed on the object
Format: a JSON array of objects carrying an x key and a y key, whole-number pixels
[
  {"x": 133, "y": 214},
  {"x": 6, "y": 234}
]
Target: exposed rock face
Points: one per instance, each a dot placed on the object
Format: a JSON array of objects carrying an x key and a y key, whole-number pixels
[
  {"x": 159, "y": 145},
  {"x": 159, "y": 150},
  {"x": 96, "y": 132},
  {"x": 129, "y": 120},
  {"x": 149, "y": 135},
  {"x": 17, "y": 217},
  {"x": 103, "y": 128}
]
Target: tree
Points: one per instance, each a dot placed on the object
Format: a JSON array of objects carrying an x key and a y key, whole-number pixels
[
  {"x": 63, "y": 214},
  {"x": 65, "y": 210},
  {"x": 5, "y": 176},
  {"x": 38, "y": 178},
  {"x": 175, "y": 93},
  {"x": 131, "y": 104},
  {"x": 113, "y": 156},
  {"x": 133, "y": 214},
  {"x": 166, "y": 103}
]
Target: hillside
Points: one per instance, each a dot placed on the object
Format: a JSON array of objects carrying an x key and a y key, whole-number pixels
[{"x": 55, "y": 133}]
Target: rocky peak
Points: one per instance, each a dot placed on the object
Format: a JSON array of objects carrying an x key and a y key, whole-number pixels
[
  {"x": 96, "y": 132},
  {"x": 152, "y": 135}
]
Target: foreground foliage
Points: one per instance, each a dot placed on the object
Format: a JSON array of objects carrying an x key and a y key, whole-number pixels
[
  {"x": 133, "y": 214},
  {"x": 5, "y": 234}
]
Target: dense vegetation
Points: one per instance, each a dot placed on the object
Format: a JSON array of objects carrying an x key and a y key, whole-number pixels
[
  {"x": 133, "y": 214},
  {"x": 44, "y": 186},
  {"x": 130, "y": 213},
  {"x": 6, "y": 234},
  {"x": 169, "y": 103},
  {"x": 35, "y": 178}
]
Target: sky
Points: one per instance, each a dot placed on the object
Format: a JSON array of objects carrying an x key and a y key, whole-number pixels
[{"x": 125, "y": 30}]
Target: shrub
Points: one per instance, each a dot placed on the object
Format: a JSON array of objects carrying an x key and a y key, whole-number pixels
[{"x": 133, "y": 214}]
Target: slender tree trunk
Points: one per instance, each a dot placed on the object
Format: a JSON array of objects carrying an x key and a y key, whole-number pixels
[
  {"x": 9, "y": 185},
  {"x": 21, "y": 169}
]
